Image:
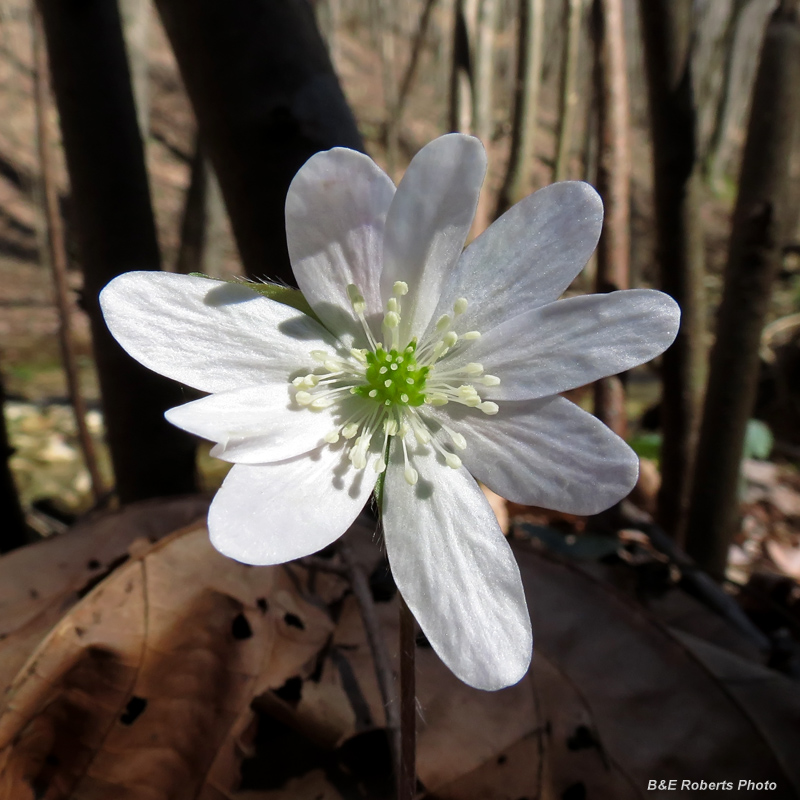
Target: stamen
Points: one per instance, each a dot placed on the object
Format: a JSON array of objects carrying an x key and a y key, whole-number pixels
[
  {"x": 460, "y": 305},
  {"x": 400, "y": 288}
]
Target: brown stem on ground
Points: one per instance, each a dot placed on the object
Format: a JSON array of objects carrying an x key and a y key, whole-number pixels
[
  {"x": 380, "y": 654},
  {"x": 407, "y": 782},
  {"x": 58, "y": 259}
]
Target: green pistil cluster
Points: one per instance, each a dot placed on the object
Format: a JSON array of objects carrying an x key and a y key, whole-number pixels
[{"x": 393, "y": 378}]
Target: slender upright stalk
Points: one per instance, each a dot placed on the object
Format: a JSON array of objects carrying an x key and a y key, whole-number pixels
[
  {"x": 58, "y": 259},
  {"x": 761, "y": 222},
  {"x": 530, "y": 52},
  {"x": 484, "y": 70},
  {"x": 613, "y": 183},
  {"x": 667, "y": 34},
  {"x": 407, "y": 783},
  {"x": 568, "y": 100}
]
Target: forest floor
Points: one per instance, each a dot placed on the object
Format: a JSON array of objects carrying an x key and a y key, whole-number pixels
[{"x": 47, "y": 462}]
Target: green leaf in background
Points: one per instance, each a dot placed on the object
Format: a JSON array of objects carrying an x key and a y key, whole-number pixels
[
  {"x": 647, "y": 445},
  {"x": 280, "y": 294},
  {"x": 758, "y": 440}
]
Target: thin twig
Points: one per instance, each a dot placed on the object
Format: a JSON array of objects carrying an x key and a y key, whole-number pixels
[
  {"x": 380, "y": 654},
  {"x": 58, "y": 259},
  {"x": 407, "y": 784}
]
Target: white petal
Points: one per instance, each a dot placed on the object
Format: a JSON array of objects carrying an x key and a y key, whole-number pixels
[
  {"x": 573, "y": 342},
  {"x": 208, "y": 334},
  {"x": 428, "y": 223},
  {"x": 528, "y": 257},
  {"x": 456, "y": 571},
  {"x": 273, "y": 513},
  {"x": 255, "y": 425},
  {"x": 547, "y": 453},
  {"x": 335, "y": 214}
]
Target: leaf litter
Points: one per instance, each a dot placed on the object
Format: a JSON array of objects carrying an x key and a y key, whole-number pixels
[{"x": 177, "y": 673}]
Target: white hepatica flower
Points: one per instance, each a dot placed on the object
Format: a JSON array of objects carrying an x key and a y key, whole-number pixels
[{"x": 449, "y": 362}]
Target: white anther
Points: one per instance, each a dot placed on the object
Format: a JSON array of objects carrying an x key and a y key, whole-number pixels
[
  {"x": 450, "y": 338},
  {"x": 489, "y": 408},
  {"x": 387, "y": 383},
  {"x": 458, "y": 440},
  {"x": 411, "y": 475},
  {"x": 443, "y": 323},
  {"x": 472, "y": 402},
  {"x": 331, "y": 365},
  {"x": 350, "y": 430},
  {"x": 356, "y": 299},
  {"x": 460, "y": 305},
  {"x": 331, "y": 437},
  {"x": 303, "y": 398},
  {"x": 320, "y": 355},
  {"x": 490, "y": 380},
  {"x": 474, "y": 368},
  {"x": 359, "y": 355},
  {"x": 422, "y": 435},
  {"x": 391, "y": 319},
  {"x": 438, "y": 400},
  {"x": 452, "y": 460},
  {"x": 471, "y": 336},
  {"x": 465, "y": 391},
  {"x": 379, "y": 465},
  {"x": 400, "y": 288},
  {"x": 318, "y": 405},
  {"x": 391, "y": 304},
  {"x": 390, "y": 427}
]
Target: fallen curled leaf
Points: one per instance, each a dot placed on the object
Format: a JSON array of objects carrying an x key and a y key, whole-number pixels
[
  {"x": 143, "y": 688},
  {"x": 184, "y": 675}
]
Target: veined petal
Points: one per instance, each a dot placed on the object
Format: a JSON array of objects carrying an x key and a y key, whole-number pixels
[
  {"x": 211, "y": 335},
  {"x": 428, "y": 223},
  {"x": 547, "y": 453},
  {"x": 254, "y": 425},
  {"x": 456, "y": 571},
  {"x": 335, "y": 215},
  {"x": 527, "y": 258},
  {"x": 573, "y": 342},
  {"x": 273, "y": 513}
]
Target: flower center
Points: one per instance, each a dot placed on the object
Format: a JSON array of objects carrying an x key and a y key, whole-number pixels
[
  {"x": 393, "y": 382},
  {"x": 394, "y": 378}
]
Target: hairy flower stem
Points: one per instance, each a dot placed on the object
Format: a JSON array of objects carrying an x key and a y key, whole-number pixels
[{"x": 407, "y": 777}]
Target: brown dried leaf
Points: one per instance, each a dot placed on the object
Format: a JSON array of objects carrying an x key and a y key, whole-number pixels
[
  {"x": 39, "y": 583},
  {"x": 143, "y": 689}
]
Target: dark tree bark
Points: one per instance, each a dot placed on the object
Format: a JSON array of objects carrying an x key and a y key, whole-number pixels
[
  {"x": 667, "y": 31},
  {"x": 761, "y": 223},
  {"x": 113, "y": 220},
  {"x": 266, "y": 99},
  {"x": 12, "y": 520}
]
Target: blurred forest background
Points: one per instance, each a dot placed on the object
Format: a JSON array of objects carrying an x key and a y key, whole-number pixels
[{"x": 164, "y": 136}]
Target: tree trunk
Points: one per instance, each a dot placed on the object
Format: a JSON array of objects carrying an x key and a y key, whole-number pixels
[
  {"x": 483, "y": 95},
  {"x": 667, "y": 32},
  {"x": 136, "y": 32},
  {"x": 266, "y": 99},
  {"x": 568, "y": 99},
  {"x": 200, "y": 248},
  {"x": 760, "y": 228},
  {"x": 113, "y": 219},
  {"x": 460, "y": 101},
  {"x": 613, "y": 183},
  {"x": 14, "y": 531},
  {"x": 530, "y": 49}
]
